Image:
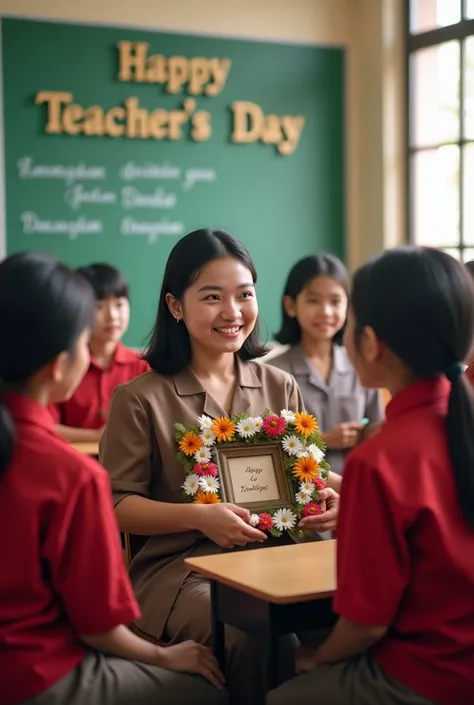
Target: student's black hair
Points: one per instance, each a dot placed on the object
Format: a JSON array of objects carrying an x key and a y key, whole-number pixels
[
  {"x": 44, "y": 307},
  {"x": 306, "y": 269},
  {"x": 105, "y": 280},
  {"x": 169, "y": 351},
  {"x": 420, "y": 303},
  {"x": 470, "y": 267}
]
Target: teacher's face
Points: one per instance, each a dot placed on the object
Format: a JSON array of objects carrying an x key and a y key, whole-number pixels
[{"x": 220, "y": 308}]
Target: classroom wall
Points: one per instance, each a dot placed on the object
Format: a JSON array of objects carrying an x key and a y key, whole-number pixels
[{"x": 372, "y": 31}]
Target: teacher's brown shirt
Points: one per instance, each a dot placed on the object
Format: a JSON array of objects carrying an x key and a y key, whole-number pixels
[{"x": 138, "y": 448}]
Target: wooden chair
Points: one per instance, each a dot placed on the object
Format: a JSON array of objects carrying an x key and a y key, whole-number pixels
[{"x": 132, "y": 544}]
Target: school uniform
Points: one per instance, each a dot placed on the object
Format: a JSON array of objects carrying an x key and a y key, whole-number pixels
[
  {"x": 63, "y": 575},
  {"x": 89, "y": 405},
  {"x": 342, "y": 398},
  {"x": 409, "y": 565},
  {"x": 470, "y": 373},
  {"x": 138, "y": 448}
]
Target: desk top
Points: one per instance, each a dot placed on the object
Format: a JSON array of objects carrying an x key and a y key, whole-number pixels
[
  {"x": 281, "y": 575},
  {"x": 89, "y": 448}
]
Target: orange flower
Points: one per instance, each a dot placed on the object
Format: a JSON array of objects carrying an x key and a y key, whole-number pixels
[
  {"x": 224, "y": 429},
  {"x": 206, "y": 498},
  {"x": 306, "y": 469},
  {"x": 305, "y": 424},
  {"x": 190, "y": 443}
]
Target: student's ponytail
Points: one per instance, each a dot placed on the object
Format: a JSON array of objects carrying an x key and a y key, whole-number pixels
[
  {"x": 420, "y": 303},
  {"x": 7, "y": 437},
  {"x": 460, "y": 435}
]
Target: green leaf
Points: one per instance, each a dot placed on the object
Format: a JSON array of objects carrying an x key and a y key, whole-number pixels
[
  {"x": 276, "y": 533},
  {"x": 180, "y": 428}
]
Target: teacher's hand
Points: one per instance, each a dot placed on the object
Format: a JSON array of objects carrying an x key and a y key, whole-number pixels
[
  {"x": 327, "y": 521},
  {"x": 228, "y": 525}
]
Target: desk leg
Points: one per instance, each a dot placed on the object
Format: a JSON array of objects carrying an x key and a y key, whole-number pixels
[
  {"x": 218, "y": 636},
  {"x": 273, "y": 653}
]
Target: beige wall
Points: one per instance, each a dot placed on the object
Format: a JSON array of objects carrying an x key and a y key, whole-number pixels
[{"x": 370, "y": 29}]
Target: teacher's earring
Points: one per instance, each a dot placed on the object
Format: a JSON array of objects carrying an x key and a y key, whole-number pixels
[{"x": 177, "y": 319}]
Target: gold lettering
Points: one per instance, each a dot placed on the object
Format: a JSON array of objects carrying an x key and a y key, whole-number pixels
[
  {"x": 177, "y": 73},
  {"x": 157, "y": 124},
  {"x": 112, "y": 127},
  {"x": 201, "y": 129},
  {"x": 136, "y": 115},
  {"x": 72, "y": 115},
  {"x": 199, "y": 75},
  {"x": 54, "y": 99},
  {"x": 271, "y": 132},
  {"x": 292, "y": 127},
  {"x": 219, "y": 70},
  {"x": 156, "y": 69},
  {"x": 248, "y": 122},
  {"x": 132, "y": 61},
  {"x": 94, "y": 121}
]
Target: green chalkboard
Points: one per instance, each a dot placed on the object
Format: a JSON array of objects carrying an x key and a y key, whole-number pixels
[{"x": 126, "y": 199}]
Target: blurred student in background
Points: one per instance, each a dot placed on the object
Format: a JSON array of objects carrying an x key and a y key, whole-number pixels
[
  {"x": 314, "y": 309},
  {"x": 83, "y": 417}
]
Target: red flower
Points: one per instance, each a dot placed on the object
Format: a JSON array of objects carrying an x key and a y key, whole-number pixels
[
  {"x": 265, "y": 522},
  {"x": 311, "y": 510},
  {"x": 203, "y": 469},
  {"x": 273, "y": 426},
  {"x": 319, "y": 483}
]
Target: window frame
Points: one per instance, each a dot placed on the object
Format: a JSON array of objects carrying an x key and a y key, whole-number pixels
[{"x": 424, "y": 40}]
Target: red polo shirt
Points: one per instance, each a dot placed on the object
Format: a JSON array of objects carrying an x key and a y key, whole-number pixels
[
  {"x": 89, "y": 405},
  {"x": 405, "y": 552},
  {"x": 62, "y": 571},
  {"x": 470, "y": 373}
]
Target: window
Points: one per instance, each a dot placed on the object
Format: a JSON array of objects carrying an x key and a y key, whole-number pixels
[{"x": 441, "y": 125}]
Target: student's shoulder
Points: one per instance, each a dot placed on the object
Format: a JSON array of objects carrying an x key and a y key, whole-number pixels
[
  {"x": 132, "y": 358},
  {"x": 61, "y": 465}
]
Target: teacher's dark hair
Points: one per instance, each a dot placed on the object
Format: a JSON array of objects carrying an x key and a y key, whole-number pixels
[
  {"x": 44, "y": 307},
  {"x": 420, "y": 303},
  {"x": 306, "y": 269},
  {"x": 169, "y": 350}
]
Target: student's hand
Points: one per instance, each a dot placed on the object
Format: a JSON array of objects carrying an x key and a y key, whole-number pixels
[
  {"x": 305, "y": 660},
  {"x": 345, "y": 435},
  {"x": 228, "y": 525},
  {"x": 327, "y": 521},
  {"x": 189, "y": 657}
]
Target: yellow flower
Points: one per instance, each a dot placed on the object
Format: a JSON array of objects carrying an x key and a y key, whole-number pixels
[
  {"x": 206, "y": 498},
  {"x": 306, "y": 469},
  {"x": 224, "y": 429},
  {"x": 305, "y": 424},
  {"x": 190, "y": 443}
]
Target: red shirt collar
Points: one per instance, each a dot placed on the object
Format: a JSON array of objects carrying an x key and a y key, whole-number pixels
[
  {"x": 123, "y": 356},
  {"x": 28, "y": 410},
  {"x": 426, "y": 392}
]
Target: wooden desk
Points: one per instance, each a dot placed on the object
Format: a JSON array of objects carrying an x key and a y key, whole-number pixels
[
  {"x": 270, "y": 591},
  {"x": 89, "y": 448}
]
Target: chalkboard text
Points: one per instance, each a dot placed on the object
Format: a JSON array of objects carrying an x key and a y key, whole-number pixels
[
  {"x": 130, "y": 120},
  {"x": 251, "y": 124},
  {"x": 199, "y": 75}
]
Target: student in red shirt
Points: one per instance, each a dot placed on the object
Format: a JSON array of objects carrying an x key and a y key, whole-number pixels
[
  {"x": 405, "y": 564},
  {"x": 83, "y": 416},
  {"x": 65, "y": 597}
]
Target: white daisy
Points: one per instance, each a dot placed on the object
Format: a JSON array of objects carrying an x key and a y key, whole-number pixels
[
  {"x": 307, "y": 487},
  {"x": 292, "y": 445},
  {"x": 246, "y": 428},
  {"x": 204, "y": 422},
  {"x": 316, "y": 452},
  {"x": 284, "y": 519},
  {"x": 257, "y": 421},
  {"x": 209, "y": 484},
  {"x": 303, "y": 453},
  {"x": 289, "y": 416},
  {"x": 203, "y": 455},
  {"x": 208, "y": 437},
  {"x": 254, "y": 519},
  {"x": 303, "y": 497},
  {"x": 191, "y": 484}
]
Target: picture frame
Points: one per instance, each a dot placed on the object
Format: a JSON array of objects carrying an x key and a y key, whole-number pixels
[{"x": 253, "y": 476}]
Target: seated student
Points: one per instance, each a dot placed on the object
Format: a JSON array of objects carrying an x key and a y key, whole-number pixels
[
  {"x": 83, "y": 416},
  {"x": 64, "y": 592},
  {"x": 470, "y": 359},
  {"x": 405, "y": 564},
  {"x": 314, "y": 311}
]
